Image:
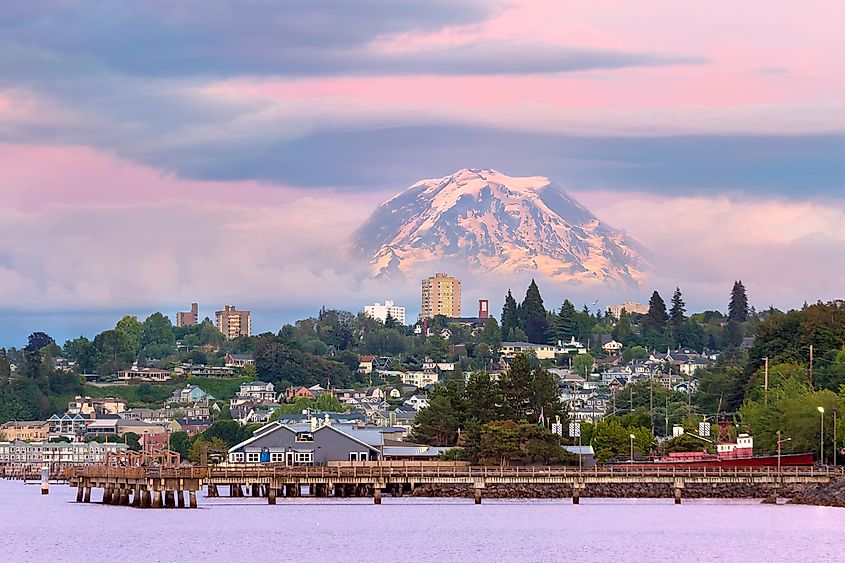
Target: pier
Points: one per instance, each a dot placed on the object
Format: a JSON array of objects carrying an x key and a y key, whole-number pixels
[{"x": 166, "y": 487}]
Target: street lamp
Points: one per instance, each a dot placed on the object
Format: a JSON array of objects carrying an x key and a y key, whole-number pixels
[
  {"x": 632, "y": 447},
  {"x": 821, "y": 435}
]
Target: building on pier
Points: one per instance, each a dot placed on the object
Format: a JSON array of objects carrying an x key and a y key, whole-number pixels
[{"x": 67, "y": 453}]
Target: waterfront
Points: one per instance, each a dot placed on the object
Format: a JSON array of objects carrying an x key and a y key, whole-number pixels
[{"x": 55, "y": 528}]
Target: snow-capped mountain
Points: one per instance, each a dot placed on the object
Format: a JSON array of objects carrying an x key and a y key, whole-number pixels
[{"x": 496, "y": 224}]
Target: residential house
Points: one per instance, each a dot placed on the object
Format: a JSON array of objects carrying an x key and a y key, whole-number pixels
[
  {"x": 190, "y": 394},
  {"x": 87, "y": 406},
  {"x": 512, "y": 349},
  {"x": 316, "y": 442},
  {"x": 258, "y": 390},
  {"x": 612, "y": 347},
  {"x": 420, "y": 379},
  {"x": 239, "y": 360},
  {"x": 292, "y": 393},
  {"x": 365, "y": 364},
  {"x": 573, "y": 347},
  {"x": 416, "y": 402},
  {"x": 25, "y": 430},
  {"x": 144, "y": 374},
  {"x": 68, "y": 426}
]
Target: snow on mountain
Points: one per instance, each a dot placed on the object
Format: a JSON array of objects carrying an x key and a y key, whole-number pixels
[{"x": 496, "y": 224}]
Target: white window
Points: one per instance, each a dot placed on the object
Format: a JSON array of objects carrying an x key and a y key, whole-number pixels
[
  {"x": 252, "y": 457},
  {"x": 304, "y": 457},
  {"x": 237, "y": 457},
  {"x": 277, "y": 457}
]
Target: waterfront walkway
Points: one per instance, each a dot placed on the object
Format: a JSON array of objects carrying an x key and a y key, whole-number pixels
[{"x": 165, "y": 487}]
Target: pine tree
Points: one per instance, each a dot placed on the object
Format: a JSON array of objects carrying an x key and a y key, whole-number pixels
[
  {"x": 532, "y": 315},
  {"x": 565, "y": 323},
  {"x": 516, "y": 388},
  {"x": 676, "y": 314},
  {"x": 510, "y": 317},
  {"x": 738, "y": 307},
  {"x": 622, "y": 330},
  {"x": 657, "y": 316}
]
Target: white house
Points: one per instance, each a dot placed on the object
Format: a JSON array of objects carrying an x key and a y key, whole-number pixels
[
  {"x": 612, "y": 347},
  {"x": 420, "y": 379},
  {"x": 416, "y": 402}
]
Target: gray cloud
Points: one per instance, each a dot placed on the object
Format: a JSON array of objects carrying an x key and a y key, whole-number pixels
[
  {"x": 392, "y": 158},
  {"x": 279, "y": 38}
]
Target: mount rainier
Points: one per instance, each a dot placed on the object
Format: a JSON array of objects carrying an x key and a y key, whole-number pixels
[{"x": 496, "y": 224}]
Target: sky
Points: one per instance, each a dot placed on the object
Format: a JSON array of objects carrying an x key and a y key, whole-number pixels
[{"x": 158, "y": 153}]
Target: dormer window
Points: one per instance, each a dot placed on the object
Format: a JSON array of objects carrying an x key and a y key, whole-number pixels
[{"x": 304, "y": 437}]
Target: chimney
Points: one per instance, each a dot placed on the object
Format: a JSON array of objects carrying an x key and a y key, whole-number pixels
[
  {"x": 326, "y": 420},
  {"x": 483, "y": 309},
  {"x": 313, "y": 423}
]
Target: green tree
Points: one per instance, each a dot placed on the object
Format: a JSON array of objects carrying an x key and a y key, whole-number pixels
[
  {"x": 131, "y": 328},
  {"x": 180, "y": 442},
  {"x": 436, "y": 424},
  {"x": 328, "y": 403},
  {"x": 533, "y": 319},
  {"x": 510, "y": 317},
  {"x": 738, "y": 307},
  {"x": 565, "y": 324},
  {"x": 436, "y": 347},
  {"x": 582, "y": 364},
  {"x": 483, "y": 398},
  {"x": 516, "y": 388},
  {"x": 657, "y": 317},
  {"x": 113, "y": 352},
  {"x": 677, "y": 315},
  {"x": 157, "y": 338}
]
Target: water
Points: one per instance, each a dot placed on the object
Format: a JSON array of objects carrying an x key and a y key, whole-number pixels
[{"x": 55, "y": 528}]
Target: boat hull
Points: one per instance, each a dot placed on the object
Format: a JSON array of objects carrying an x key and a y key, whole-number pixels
[{"x": 786, "y": 460}]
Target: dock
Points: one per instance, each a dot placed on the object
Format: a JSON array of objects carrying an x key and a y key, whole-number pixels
[{"x": 166, "y": 487}]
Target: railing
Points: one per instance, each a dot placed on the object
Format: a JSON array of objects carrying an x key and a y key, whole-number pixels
[{"x": 377, "y": 472}]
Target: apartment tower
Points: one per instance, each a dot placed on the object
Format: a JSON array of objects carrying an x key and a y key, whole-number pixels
[
  {"x": 189, "y": 318},
  {"x": 441, "y": 295},
  {"x": 233, "y": 323}
]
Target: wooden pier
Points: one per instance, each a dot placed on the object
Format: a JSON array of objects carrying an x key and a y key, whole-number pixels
[{"x": 166, "y": 487}]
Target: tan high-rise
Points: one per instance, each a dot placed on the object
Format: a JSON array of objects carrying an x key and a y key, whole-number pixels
[
  {"x": 233, "y": 323},
  {"x": 441, "y": 295}
]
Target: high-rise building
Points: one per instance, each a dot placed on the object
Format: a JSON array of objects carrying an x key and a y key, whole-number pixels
[
  {"x": 631, "y": 307},
  {"x": 379, "y": 311},
  {"x": 441, "y": 295},
  {"x": 233, "y": 323},
  {"x": 189, "y": 318}
]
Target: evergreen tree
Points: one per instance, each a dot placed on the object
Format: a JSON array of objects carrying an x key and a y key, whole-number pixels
[
  {"x": 738, "y": 307},
  {"x": 533, "y": 316},
  {"x": 676, "y": 315},
  {"x": 510, "y": 317},
  {"x": 657, "y": 317},
  {"x": 565, "y": 323},
  {"x": 516, "y": 385}
]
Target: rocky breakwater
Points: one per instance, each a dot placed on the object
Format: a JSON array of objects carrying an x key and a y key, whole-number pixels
[
  {"x": 616, "y": 490},
  {"x": 827, "y": 494}
]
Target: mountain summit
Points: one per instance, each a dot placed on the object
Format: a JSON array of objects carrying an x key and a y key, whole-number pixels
[{"x": 496, "y": 224}]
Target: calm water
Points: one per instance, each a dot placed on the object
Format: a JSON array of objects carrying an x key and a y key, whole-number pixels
[{"x": 54, "y": 528}]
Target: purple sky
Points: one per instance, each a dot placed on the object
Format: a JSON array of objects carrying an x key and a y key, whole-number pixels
[{"x": 222, "y": 151}]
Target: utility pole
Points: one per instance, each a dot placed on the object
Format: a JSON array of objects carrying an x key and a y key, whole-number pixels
[
  {"x": 811, "y": 367},
  {"x": 689, "y": 395},
  {"x": 766, "y": 380},
  {"x": 631, "y": 393},
  {"x": 651, "y": 401},
  {"x": 614, "y": 401},
  {"x": 666, "y": 422}
]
